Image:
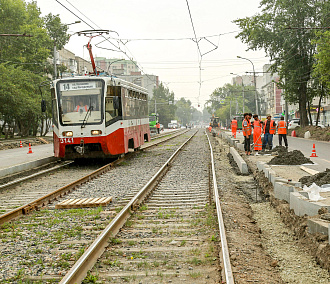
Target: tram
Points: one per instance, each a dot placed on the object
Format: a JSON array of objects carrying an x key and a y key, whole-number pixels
[{"x": 98, "y": 117}]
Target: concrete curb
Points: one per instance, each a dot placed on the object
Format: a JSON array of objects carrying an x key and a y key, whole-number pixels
[
  {"x": 239, "y": 161},
  {"x": 26, "y": 166},
  {"x": 291, "y": 191},
  {"x": 301, "y": 205}
]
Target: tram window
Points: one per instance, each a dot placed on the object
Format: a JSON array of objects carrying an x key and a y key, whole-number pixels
[
  {"x": 54, "y": 112},
  {"x": 111, "y": 110}
]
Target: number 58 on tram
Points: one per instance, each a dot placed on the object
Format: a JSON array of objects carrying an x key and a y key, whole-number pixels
[{"x": 98, "y": 117}]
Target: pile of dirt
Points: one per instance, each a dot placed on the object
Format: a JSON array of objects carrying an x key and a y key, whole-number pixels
[
  {"x": 294, "y": 157},
  {"x": 317, "y": 133},
  {"x": 319, "y": 179},
  {"x": 280, "y": 149}
]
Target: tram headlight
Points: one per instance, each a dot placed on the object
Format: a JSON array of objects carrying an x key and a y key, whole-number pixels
[
  {"x": 67, "y": 133},
  {"x": 96, "y": 132}
]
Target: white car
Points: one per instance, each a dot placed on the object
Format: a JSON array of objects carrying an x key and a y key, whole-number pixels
[
  {"x": 294, "y": 123},
  {"x": 319, "y": 124}
]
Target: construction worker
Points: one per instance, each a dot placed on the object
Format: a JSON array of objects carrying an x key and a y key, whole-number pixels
[
  {"x": 282, "y": 131},
  {"x": 257, "y": 131},
  {"x": 247, "y": 133},
  {"x": 233, "y": 126},
  {"x": 158, "y": 127},
  {"x": 269, "y": 131}
]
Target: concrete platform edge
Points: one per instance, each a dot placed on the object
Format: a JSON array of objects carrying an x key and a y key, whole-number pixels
[{"x": 26, "y": 166}]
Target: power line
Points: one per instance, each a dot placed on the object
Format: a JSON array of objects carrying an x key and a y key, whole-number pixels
[{"x": 120, "y": 50}]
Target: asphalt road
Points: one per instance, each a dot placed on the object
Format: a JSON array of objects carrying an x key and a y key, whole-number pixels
[{"x": 322, "y": 150}]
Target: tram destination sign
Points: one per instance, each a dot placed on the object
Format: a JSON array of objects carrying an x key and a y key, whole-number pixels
[{"x": 73, "y": 86}]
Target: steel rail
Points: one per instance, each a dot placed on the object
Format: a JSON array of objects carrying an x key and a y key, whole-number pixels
[
  {"x": 165, "y": 134},
  {"x": 16, "y": 181},
  {"x": 79, "y": 271},
  {"x": 42, "y": 201},
  {"x": 224, "y": 246}
]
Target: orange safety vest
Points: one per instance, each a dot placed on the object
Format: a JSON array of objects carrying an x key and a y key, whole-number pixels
[
  {"x": 234, "y": 123},
  {"x": 281, "y": 127},
  {"x": 256, "y": 124},
  {"x": 246, "y": 128},
  {"x": 272, "y": 127},
  {"x": 78, "y": 106},
  {"x": 157, "y": 125}
]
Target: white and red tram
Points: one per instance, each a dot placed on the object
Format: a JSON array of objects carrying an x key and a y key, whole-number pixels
[{"x": 98, "y": 117}]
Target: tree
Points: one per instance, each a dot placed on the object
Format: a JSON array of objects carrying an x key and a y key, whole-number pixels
[
  {"x": 184, "y": 111},
  {"x": 227, "y": 101},
  {"x": 17, "y": 17},
  {"x": 291, "y": 50},
  {"x": 322, "y": 64},
  {"x": 23, "y": 58},
  {"x": 19, "y": 99},
  {"x": 163, "y": 101}
]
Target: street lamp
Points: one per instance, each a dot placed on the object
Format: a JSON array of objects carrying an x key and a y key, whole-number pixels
[
  {"x": 76, "y": 22},
  {"x": 243, "y": 91},
  {"x": 255, "y": 83}
]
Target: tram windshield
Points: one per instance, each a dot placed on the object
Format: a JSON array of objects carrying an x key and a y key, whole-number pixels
[{"x": 80, "y": 101}]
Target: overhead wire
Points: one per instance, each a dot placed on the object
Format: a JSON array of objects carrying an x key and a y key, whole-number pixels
[{"x": 119, "y": 49}]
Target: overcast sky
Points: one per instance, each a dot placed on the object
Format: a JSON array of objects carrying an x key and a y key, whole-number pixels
[{"x": 161, "y": 34}]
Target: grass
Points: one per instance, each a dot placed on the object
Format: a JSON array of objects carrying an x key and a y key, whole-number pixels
[
  {"x": 196, "y": 261},
  {"x": 195, "y": 274},
  {"x": 115, "y": 263},
  {"x": 90, "y": 278},
  {"x": 115, "y": 241}
]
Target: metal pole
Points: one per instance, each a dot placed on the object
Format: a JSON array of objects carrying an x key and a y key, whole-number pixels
[
  {"x": 255, "y": 84},
  {"x": 230, "y": 110},
  {"x": 55, "y": 70},
  {"x": 243, "y": 98},
  {"x": 155, "y": 107},
  {"x": 255, "y": 89}
]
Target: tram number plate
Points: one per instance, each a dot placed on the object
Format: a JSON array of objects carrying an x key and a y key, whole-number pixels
[{"x": 66, "y": 140}]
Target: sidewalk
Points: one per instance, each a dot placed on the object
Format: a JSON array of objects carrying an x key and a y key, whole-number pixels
[{"x": 18, "y": 159}]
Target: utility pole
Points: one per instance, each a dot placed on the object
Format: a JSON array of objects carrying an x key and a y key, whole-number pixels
[
  {"x": 255, "y": 84},
  {"x": 243, "y": 91},
  {"x": 55, "y": 69}
]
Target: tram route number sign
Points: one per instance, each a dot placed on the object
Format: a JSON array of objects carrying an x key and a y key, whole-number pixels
[
  {"x": 66, "y": 140},
  {"x": 73, "y": 86}
]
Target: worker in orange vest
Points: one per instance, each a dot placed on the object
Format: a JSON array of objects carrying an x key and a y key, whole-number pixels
[
  {"x": 282, "y": 131},
  {"x": 257, "y": 131},
  {"x": 158, "y": 127},
  {"x": 210, "y": 128},
  {"x": 233, "y": 126},
  {"x": 269, "y": 131},
  {"x": 246, "y": 125}
]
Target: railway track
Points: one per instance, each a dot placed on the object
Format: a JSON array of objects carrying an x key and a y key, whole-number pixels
[
  {"x": 74, "y": 229},
  {"x": 26, "y": 197},
  {"x": 172, "y": 237}
]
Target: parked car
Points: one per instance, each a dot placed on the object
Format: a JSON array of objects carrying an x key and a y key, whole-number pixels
[{"x": 294, "y": 123}]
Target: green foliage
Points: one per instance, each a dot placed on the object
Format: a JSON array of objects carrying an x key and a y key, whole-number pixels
[
  {"x": 166, "y": 110},
  {"x": 230, "y": 95},
  {"x": 22, "y": 58},
  {"x": 322, "y": 65},
  {"x": 19, "y": 97},
  {"x": 184, "y": 111},
  {"x": 291, "y": 50}
]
